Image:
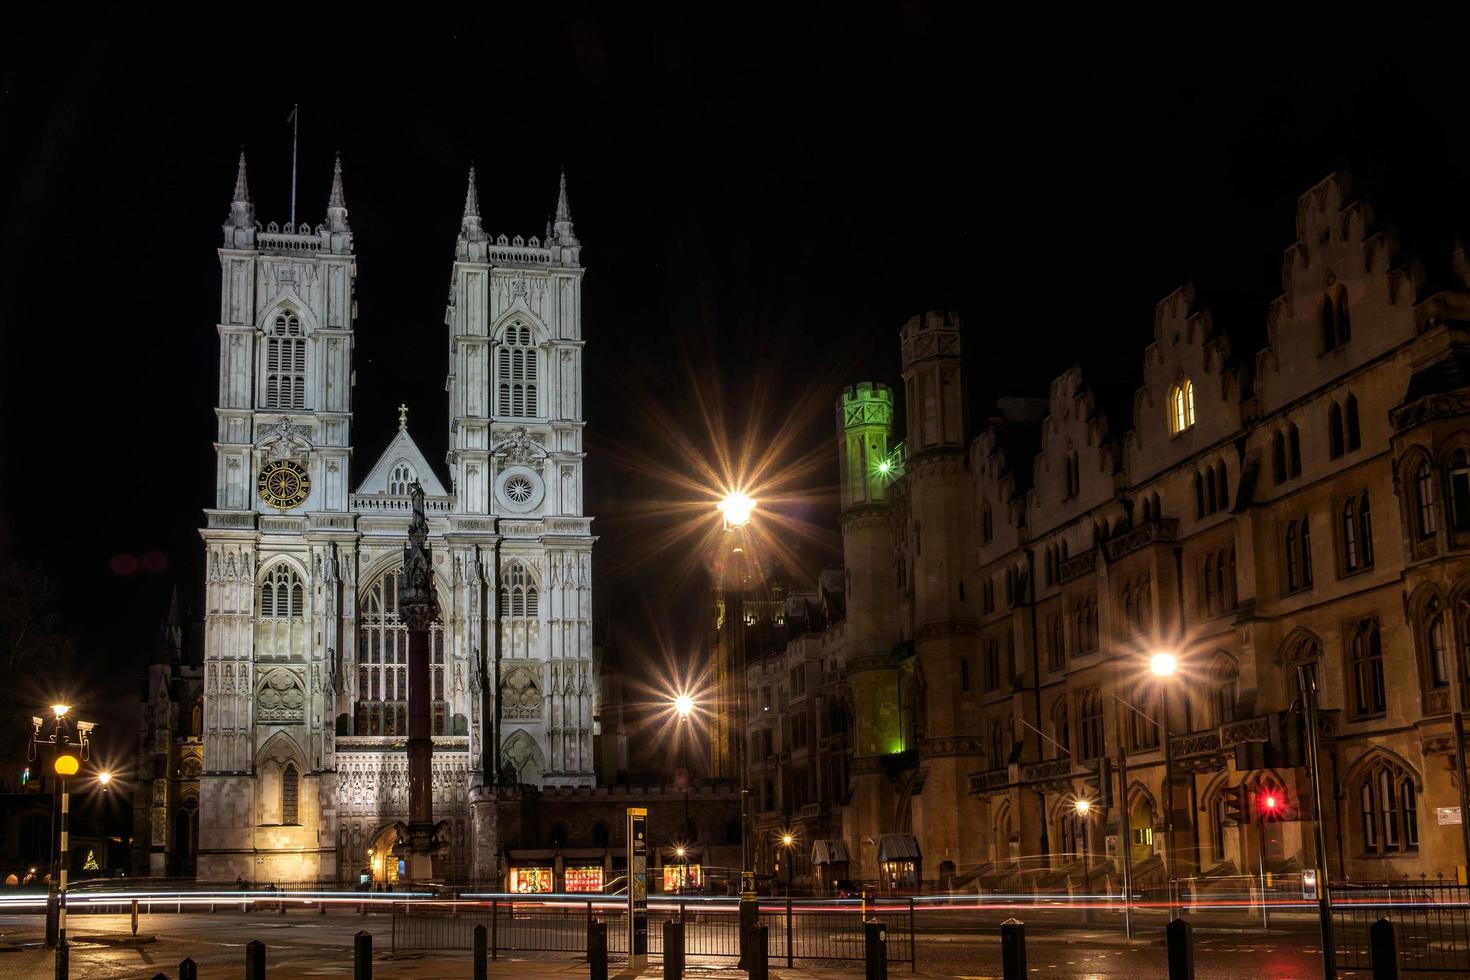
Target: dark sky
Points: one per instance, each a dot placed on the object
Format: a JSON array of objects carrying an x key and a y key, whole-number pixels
[{"x": 773, "y": 188}]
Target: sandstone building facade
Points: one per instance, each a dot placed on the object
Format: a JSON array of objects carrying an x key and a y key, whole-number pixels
[{"x": 1252, "y": 507}]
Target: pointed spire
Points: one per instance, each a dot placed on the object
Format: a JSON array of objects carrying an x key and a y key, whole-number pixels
[
  {"x": 337, "y": 203},
  {"x": 242, "y": 211},
  {"x": 473, "y": 244},
  {"x": 563, "y": 226}
]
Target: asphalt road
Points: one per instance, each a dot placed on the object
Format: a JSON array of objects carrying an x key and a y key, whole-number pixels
[{"x": 305, "y": 944}]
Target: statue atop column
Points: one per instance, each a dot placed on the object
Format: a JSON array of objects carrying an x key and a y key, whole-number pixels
[{"x": 419, "y": 611}]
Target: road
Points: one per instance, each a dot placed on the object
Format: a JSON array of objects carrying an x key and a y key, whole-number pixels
[{"x": 307, "y": 944}]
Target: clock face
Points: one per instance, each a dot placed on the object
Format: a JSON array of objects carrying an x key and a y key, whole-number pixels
[{"x": 283, "y": 484}]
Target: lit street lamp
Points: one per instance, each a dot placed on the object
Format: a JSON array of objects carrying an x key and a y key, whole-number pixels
[
  {"x": 1164, "y": 664},
  {"x": 104, "y": 779},
  {"x": 67, "y": 763},
  {"x": 788, "y": 841},
  {"x": 736, "y": 507},
  {"x": 1082, "y": 808}
]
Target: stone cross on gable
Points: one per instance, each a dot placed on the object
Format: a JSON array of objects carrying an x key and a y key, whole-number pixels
[{"x": 402, "y": 416}]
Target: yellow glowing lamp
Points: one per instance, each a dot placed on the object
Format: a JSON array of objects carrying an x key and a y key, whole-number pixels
[
  {"x": 67, "y": 765},
  {"x": 60, "y": 710},
  {"x": 684, "y": 705},
  {"x": 736, "y": 508}
]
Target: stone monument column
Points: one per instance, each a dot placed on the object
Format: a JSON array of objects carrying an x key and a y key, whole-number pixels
[{"x": 419, "y": 611}]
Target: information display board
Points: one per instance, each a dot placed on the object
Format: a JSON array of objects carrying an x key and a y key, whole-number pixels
[{"x": 637, "y": 887}]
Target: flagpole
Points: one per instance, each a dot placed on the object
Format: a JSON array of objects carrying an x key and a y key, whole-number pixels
[{"x": 295, "y": 128}]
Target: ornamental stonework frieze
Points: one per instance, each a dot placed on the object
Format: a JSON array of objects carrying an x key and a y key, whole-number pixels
[
  {"x": 1430, "y": 408},
  {"x": 867, "y": 516},
  {"x": 953, "y": 627},
  {"x": 992, "y": 782},
  {"x": 1154, "y": 532},
  {"x": 931, "y": 748}
]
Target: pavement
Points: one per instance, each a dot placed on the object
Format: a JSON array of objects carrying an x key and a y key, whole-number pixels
[{"x": 311, "y": 945}]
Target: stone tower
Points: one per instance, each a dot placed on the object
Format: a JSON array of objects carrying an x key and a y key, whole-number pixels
[
  {"x": 519, "y": 543},
  {"x": 864, "y": 430},
  {"x": 273, "y": 614},
  {"x": 944, "y": 625}
]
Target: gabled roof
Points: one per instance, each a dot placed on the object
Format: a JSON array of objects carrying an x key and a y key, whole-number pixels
[{"x": 402, "y": 449}]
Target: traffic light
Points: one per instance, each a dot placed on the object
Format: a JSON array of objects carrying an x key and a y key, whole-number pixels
[
  {"x": 1273, "y": 805},
  {"x": 1238, "y": 804}
]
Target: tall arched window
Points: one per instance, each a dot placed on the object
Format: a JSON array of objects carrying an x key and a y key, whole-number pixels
[
  {"x": 1365, "y": 658},
  {"x": 1436, "y": 650},
  {"x": 1388, "y": 809},
  {"x": 1336, "y": 324},
  {"x": 281, "y": 594},
  {"x": 1199, "y": 497},
  {"x": 1222, "y": 479},
  {"x": 1226, "y": 689},
  {"x": 518, "y": 596},
  {"x": 290, "y": 791},
  {"x": 1292, "y": 558},
  {"x": 1352, "y": 556},
  {"x": 1061, "y": 724},
  {"x": 517, "y": 369},
  {"x": 382, "y": 664},
  {"x": 1146, "y": 718},
  {"x": 1181, "y": 407},
  {"x": 1334, "y": 431},
  {"x": 1354, "y": 433},
  {"x": 1294, "y": 449},
  {"x": 285, "y": 362},
  {"x": 1424, "y": 500},
  {"x": 1278, "y": 457},
  {"x": 1090, "y": 722}
]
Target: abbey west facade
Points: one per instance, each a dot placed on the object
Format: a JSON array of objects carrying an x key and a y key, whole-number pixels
[
  {"x": 1305, "y": 504},
  {"x": 304, "y": 774}
]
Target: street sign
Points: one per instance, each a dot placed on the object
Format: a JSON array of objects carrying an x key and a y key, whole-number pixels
[
  {"x": 1448, "y": 816},
  {"x": 637, "y": 888}
]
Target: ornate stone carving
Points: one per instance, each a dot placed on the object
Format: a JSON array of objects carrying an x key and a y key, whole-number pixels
[
  {"x": 280, "y": 696},
  {"x": 521, "y": 692}
]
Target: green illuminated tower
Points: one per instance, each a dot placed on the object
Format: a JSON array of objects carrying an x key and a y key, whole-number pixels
[{"x": 868, "y": 466}]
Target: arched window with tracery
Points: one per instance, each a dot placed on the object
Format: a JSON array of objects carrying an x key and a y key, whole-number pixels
[
  {"x": 1334, "y": 431},
  {"x": 382, "y": 664},
  {"x": 1388, "y": 809},
  {"x": 1225, "y": 689},
  {"x": 1365, "y": 660},
  {"x": 1458, "y": 474},
  {"x": 1146, "y": 717},
  {"x": 1436, "y": 649},
  {"x": 517, "y": 369},
  {"x": 402, "y": 479},
  {"x": 1061, "y": 724},
  {"x": 519, "y": 598},
  {"x": 285, "y": 362},
  {"x": 280, "y": 627},
  {"x": 1181, "y": 407}
]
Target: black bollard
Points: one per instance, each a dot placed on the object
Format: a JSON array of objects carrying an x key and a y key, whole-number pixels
[
  {"x": 756, "y": 953},
  {"x": 1013, "y": 949},
  {"x": 875, "y": 951},
  {"x": 362, "y": 956},
  {"x": 597, "y": 950},
  {"x": 1383, "y": 950},
  {"x": 255, "y": 960},
  {"x": 1181, "y": 950},
  {"x": 187, "y": 969},
  {"x": 749, "y": 912},
  {"x": 482, "y": 953},
  {"x": 673, "y": 950}
]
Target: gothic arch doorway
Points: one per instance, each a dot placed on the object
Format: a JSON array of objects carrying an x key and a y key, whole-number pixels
[
  {"x": 1141, "y": 829},
  {"x": 380, "y": 857}
]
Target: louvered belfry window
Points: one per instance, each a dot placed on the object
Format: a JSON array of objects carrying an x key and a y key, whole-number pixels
[
  {"x": 517, "y": 369},
  {"x": 285, "y": 363}
]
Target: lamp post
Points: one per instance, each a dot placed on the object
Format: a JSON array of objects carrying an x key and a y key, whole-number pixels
[
  {"x": 1082, "y": 808},
  {"x": 684, "y": 708},
  {"x": 788, "y": 841},
  {"x": 67, "y": 763},
  {"x": 1164, "y": 665},
  {"x": 735, "y": 509}
]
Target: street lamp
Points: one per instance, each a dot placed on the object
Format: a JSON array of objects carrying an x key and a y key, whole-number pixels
[
  {"x": 67, "y": 763},
  {"x": 684, "y": 708},
  {"x": 788, "y": 840},
  {"x": 1163, "y": 665},
  {"x": 736, "y": 507},
  {"x": 1082, "y": 808},
  {"x": 104, "y": 779}
]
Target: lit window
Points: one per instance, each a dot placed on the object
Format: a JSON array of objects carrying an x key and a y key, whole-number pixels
[{"x": 1181, "y": 407}]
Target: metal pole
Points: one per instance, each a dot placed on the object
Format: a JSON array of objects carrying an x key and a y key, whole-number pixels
[
  {"x": 61, "y": 852},
  {"x": 1464, "y": 789},
  {"x": 1125, "y": 835},
  {"x": 1169, "y": 799},
  {"x": 1086, "y": 871},
  {"x": 1308, "y": 686},
  {"x": 1261, "y": 866}
]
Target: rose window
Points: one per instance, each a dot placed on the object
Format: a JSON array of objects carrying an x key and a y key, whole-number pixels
[{"x": 518, "y": 489}]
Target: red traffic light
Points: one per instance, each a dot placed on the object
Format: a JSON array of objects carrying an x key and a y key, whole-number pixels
[{"x": 1269, "y": 803}]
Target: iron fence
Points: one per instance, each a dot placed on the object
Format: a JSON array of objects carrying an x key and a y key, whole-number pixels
[
  {"x": 1432, "y": 920},
  {"x": 797, "y": 929}
]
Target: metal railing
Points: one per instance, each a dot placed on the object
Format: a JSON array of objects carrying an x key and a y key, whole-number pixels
[
  {"x": 1432, "y": 920},
  {"x": 797, "y": 929}
]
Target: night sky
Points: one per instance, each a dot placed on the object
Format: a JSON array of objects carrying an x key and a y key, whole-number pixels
[{"x": 763, "y": 194}]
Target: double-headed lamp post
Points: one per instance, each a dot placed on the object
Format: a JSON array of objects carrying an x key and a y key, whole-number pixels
[
  {"x": 1164, "y": 665},
  {"x": 67, "y": 763}
]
